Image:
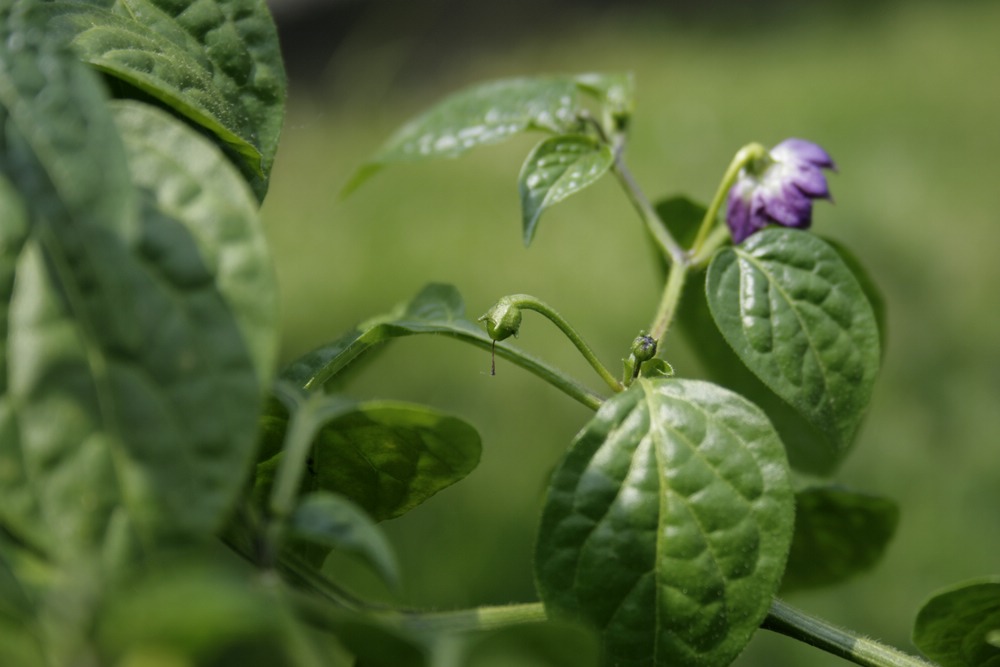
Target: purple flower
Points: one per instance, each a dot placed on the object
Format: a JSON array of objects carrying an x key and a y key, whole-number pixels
[{"x": 778, "y": 188}]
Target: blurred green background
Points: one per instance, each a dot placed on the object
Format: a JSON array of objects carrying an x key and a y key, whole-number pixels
[{"x": 904, "y": 95}]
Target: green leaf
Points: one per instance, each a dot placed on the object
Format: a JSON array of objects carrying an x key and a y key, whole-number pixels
[
  {"x": 667, "y": 524},
  {"x": 872, "y": 291},
  {"x": 557, "y": 168},
  {"x": 216, "y": 62},
  {"x": 330, "y": 522},
  {"x": 794, "y": 313},
  {"x": 134, "y": 389},
  {"x": 838, "y": 534},
  {"x": 436, "y": 309},
  {"x": 482, "y": 114},
  {"x": 185, "y": 178},
  {"x": 615, "y": 92},
  {"x": 386, "y": 457},
  {"x": 958, "y": 626}
]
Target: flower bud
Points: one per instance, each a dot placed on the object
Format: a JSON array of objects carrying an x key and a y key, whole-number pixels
[
  {"x": 643, "y": 348},
  {"x": 502, "y": 320}
]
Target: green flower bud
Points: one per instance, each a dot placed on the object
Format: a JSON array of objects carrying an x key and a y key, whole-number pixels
[
  {"x": 502, "y": 320},
  {"x": 643, "y": 348}
]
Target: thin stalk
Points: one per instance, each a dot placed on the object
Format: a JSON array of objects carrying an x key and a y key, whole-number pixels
[
  {"x": 661, "y": 235},
  {"x": 668, "y": 302},
  {"x": 479, "y": 618},
  {"x": 785, "y": 619},
  {"x": 718, "y": 236},
  {"x": 528, "y": 302},
  {"x": 743, "y": 156}
]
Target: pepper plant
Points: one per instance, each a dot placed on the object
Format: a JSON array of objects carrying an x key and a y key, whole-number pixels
[{"x": 168, "y": 496}]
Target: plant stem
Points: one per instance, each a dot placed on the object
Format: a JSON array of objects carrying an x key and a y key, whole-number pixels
[
  {"x": 669, "y": 301},
  {"x": 668, "y": 244},
  {"x": 743, "y": 156},
  {"x": 528, "y": 302},
  {"x": 785, "y": 619},
  {"x": 479, "y": 618}
]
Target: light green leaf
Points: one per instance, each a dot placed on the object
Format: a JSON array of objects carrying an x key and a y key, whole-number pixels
[
  {"x": 183, "y": 177},
  {"x": 557, "y": 168},
  {"x": 838, "y": 534},
  {"x": 958, "y": 626},
  {"x": 436, "y": 309},
  {"x": 796, "y": 316},
  {"x": 667, "y": 524},
  {"x": 330, "y": 521},
  {"x": 616, "y": 92},
  {"x": 134, "y": 389},
  {"x": 216, "y": 62}
]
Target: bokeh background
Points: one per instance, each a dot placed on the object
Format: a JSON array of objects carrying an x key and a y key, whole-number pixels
[{"x": 906, "y": 97}]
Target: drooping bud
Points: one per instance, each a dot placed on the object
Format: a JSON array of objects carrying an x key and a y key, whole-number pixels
[{"x": 502, "y": 320}]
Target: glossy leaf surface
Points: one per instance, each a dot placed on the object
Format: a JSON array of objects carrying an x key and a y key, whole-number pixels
[
  {"x": 497, "y": 110},
  {"x": 216, "y": 62},
  {"x": 555, "y": 169},
  {"x": 436, "y": 309},
  {"x": 838, "y": 534},
  {"x": 330, "y": 521},
  {"x": 959, "y": 627},
  {"x": 794, "y": 313},
  {"x": 667, "y": 524}
]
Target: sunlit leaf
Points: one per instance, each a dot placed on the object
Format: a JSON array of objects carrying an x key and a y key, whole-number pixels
[
  {"x": 557, "y": 168},
  {"x": 796, "y": 316},
  {"x": 959, "y": 626},
  {"x": 667, "y": 524},
  {"x": 216, "y": 62}
]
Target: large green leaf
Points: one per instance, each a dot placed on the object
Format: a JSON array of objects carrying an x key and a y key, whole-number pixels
[
  {"x": 216, "y": 62},
  {"x": 387, "y": 457},
  {"x": 555, "y": 169},
  {"x": 960, "y": 626},
  {"x": 184, "y": 178},
  {"x": 794, "y": 313},
  {"x": 436, "y": 309},
  {"x": 667, "y": 524},
  {"x": 135, "y": 390},
  {"x": 838, "y": 534}
]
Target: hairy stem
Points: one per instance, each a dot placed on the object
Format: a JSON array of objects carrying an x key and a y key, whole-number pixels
[{"x": 847, "y": 644}]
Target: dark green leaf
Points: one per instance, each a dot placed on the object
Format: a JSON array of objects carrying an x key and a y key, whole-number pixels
[
  {"x": 796, "y": 316},
  {"x": 667, "y": 524},
  {"x": 958, "y": 626},
  {"x": 216, "y": 62},
  {"x": 549, "y": 644},
  {"x": 387, "y": 457},
  {"x": 436, "y": 309},
  {"x": 557, "y": 168},
  {"x": 333, "y": 522},
  {"x": 838, "y": 534}
]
